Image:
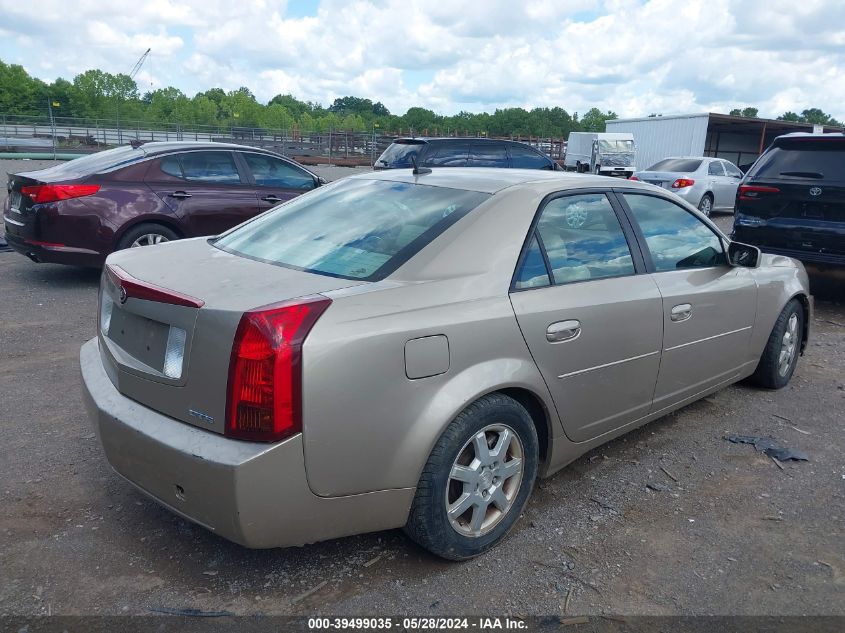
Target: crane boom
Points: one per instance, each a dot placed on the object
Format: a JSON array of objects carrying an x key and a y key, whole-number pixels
[{"x": 138, "y": 64}]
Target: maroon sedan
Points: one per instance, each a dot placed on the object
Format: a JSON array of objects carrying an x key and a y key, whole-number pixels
[{"x": 80, "y": 211}]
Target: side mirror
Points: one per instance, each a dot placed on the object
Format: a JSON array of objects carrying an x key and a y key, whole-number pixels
[
  {"x": 321, "y": 181},
  {"x": 743, "y": 255}
]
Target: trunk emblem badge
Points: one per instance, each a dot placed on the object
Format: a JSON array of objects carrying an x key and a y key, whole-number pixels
[
  {"x": 123, "y": 295},
  {"x": 815, "y": 191}
]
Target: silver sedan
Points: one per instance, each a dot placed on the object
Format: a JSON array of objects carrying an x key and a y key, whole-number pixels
[
  {"x": 413, "y": 350},
  {"x": 707, "y": 183}
]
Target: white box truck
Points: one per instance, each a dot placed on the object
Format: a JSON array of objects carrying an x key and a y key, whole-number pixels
[{"x": 606, "y": 153}]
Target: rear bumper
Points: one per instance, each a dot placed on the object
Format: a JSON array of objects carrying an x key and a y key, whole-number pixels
[
  {"x": 254, "y": 494},
  {"x": 753, "y": 236},
  {"x": 47, "y": 252}
]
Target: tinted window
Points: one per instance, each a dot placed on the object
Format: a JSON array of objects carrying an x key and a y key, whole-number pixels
[
  {"x": 449, "y": 155},
  {"x": 715, "y": 169},
  {"x": 274, "y": 172},
  {"x": 170, "y": 165},
  {"x": 676, "y": 164},
  {"x": 732, "y": 170},
  {"x": 583, "y": 239},
  {"x": 217, "y": 167},
  {"x": 675, "y": 237},
  {"x": 488, "y": 155},
  {"x": 523, "y": 157},
  {"x": 815, "y": 159},
  {"x": 533, "y": 272},
  {"x": 399, "y": 154},
  {"x": 354, "y": 228},
  {"x": 96, "y": 163}
]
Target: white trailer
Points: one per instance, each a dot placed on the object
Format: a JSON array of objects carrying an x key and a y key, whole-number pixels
[{"x": 607, "y": 153}]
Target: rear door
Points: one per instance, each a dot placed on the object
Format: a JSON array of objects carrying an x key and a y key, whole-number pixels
[
  {"x": 205, "y": 189},
  {"x": 590, "y": 315},
  {"x": 708, "y": 306},
  {"x": 276, "y": 180}
]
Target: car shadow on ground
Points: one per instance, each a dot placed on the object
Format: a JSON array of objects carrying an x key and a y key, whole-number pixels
[{"x": 66, "y": 277}]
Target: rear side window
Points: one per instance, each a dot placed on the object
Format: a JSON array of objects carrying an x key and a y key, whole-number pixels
[
  {"x": 97, "y": 163},
  {"x": 523, "y": 157},
  {"x": 583, "y": 239},
  {"x": 354, "y": 228},
  {"x": 275, "y": 172},
  {"x": 488, "y": 155},
  {"x": 809, "y": 159},
  {"x": 212, "y": 167},
  {"x": 170, "y": 165},
  {"x": 676, "y": 164},
  {"x": 399, "y": 154},
  {"x": 449, "y": 155},
  {"x": 676, "y": 238},
  {"x": 533, "y": 272},
  {"x": 732, "y": 170},
  {"x": 715, "y": 169}
]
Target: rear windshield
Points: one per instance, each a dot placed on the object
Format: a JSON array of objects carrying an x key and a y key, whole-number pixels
[
  {"x": 356, "y": 229},
  {"x": 399, "y": 153},
  {"x": 97, "y": 163},
  {"x": 676, "y": 164},
  {"x": 809, "y": 159}
]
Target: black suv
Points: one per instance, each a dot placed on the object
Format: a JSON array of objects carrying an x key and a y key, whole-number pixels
[
  {"x": 462, "y": 152},
  {"x": 792, "y": 201}
]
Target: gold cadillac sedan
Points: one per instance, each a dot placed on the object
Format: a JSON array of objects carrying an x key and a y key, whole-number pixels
[{"x": 414, "y": 348}]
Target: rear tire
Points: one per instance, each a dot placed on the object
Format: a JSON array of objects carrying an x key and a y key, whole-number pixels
[
  {"x": 474, "y": 487},
  {"x": 706, "y": 204},
  {"x": 777, "y": 364},
  {"x": 146, "y": 234}
]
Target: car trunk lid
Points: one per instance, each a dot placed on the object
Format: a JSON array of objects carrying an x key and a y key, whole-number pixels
[{"x": 166, "y": 331}]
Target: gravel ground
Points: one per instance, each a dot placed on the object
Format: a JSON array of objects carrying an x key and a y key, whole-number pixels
[{"x": 670, "y": 519}]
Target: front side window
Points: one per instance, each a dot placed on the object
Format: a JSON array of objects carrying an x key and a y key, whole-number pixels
[
  {"x": 488, "y": 155},
  {"x": 211, "y": 167},
  {"x": 274, "y": 172},
  {"x": 354, "y": 228},
  {"x": 527, "y": 158},
  {"x": 676, "y": 238},
  {"x": 732, "y": 170},
  {"x": 583, "y": 239}
]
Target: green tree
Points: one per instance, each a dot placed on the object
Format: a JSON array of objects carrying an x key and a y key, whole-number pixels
[{"x": 594, "y": 120}]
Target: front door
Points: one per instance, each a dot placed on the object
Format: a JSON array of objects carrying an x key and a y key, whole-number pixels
[
  {"x": 590, "y": 316},
  {"x": 276, "y": 180},
  {"x": 708, "y": 306}
]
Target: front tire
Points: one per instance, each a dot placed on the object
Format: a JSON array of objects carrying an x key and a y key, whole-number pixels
[
  {"x": 477, "y": 479},
  {"x": 777, "y": 364}
]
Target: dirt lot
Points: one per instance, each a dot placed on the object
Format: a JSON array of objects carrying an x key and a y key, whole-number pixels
[{"x": 724, "y": 531}]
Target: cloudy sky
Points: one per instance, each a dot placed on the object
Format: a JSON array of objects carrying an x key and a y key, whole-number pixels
[{"x": 631, "y": 56}]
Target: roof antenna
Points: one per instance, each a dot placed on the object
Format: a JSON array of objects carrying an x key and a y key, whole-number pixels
[{"x": 418, "y": 171}]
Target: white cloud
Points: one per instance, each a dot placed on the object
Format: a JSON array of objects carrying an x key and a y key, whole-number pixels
[{"x": 632, "y": 56}]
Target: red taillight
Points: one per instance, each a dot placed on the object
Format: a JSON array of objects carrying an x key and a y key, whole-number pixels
[
  {"x": 680, "y": 183},
  {"x": 632, "y": 178},
  {"x": 51, "y": 193},
  {"x": 752, "y": 192},
  {"x": 265, "y": 372},
  {"x": 149, "y": 292}
]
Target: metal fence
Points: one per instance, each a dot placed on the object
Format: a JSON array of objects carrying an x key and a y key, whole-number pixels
[{"x": 38, "y": 133}]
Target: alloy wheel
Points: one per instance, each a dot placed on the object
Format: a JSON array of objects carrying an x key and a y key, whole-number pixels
[
  {"x": 149, "y": 239},
  {"x": 788, "y": 345},
  {"x": 484, "y": 480}
]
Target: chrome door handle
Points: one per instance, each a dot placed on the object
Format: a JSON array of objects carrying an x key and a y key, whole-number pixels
[
  {"x": 179, "y": 195},
  {"x": 681, "y": 312},
  {"x": 563, "y": 331},
  {"x": 271, "y": 198}
]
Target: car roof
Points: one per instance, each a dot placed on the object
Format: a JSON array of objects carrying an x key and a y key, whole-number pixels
[
  {"x": 492, "y": 180},
  {"x": 154, "y": 148},
  {"x": 439, "y": 139},
  {"x": 785, "y": 138}
]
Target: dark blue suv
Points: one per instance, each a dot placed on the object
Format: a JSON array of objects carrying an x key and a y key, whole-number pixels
[{"x": 462, "y": 152}]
